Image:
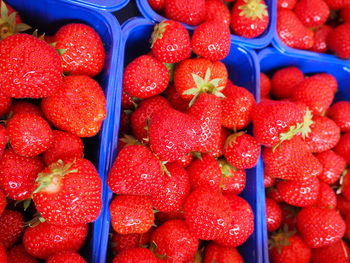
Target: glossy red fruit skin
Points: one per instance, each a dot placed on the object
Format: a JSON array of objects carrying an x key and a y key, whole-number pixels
[
  {"x": 3, "y": 202},
  {"x": 19, "y": 254},
  {"x": 343, "y": 205},
  {"x": 121, "y": 242},
  {"x": 333, "y": 165},
  {"x": 175, "y": 99},
  {"x": 284, "y": 81},
  {"x": 127, "y": 101},
  {"x": 157, "y": 5},
  {"x": 338, "y": 252},
  {"x": 219, "y": 147},
  {"x": 217, "y": 11},
  {"x": 328, "y": 80},
  {"x": 343, "y": 147},
  {"x": 11, "y": 227},
  {"x": 221, "y": 254},
  {"x": 186, "y": 11},
  {"x": 339, "y": 113},
  {"x": 3, "y": 139},
  {"x": 337, "y": 4},
  {"x": 66, "y": 257},
  {"x": 268, "y": 180},
  {"x": 25, "y": 107},
  {"x": 135, "y": 255},
  {"x": 273, "y": 215},
  {"x": 320, "y": 39},
  {"x": 287, "y": 4},
  {"x": 326, "y": 197},
  {"x": 345, "y": 14},
  {"x": 234, "y": 182},
  {"x": 265, "y": 85},
  {"x": 5, "y": 104},
  {"x": 166, "y": 216},
  {"x": 338, "y": 40},
  {"x": 273, "y": 193},
  {"x": 40, "y": 73},
  {"x": 45, "y": 239},
  {"x": 320, "y": 227},
  {"x": 3, "y": 256},
  {"x": 312, "y": 13},
  {"x": 185, "y": 160}
]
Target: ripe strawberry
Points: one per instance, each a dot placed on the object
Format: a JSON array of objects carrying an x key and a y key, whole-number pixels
[
  {"x": 292, "y": 32},
  {"x": 187, "y": 11},
  {"x": 3, "y": 139},
  {"x": 345, "y": 14},
  {"x": 338, "y": 40},
  {"x": 128, "y": 102},
  {"x": 333, "y": 165},
  {"x": 66, "y": 257},
  {"x": 219, "y": 147},
  {"x": 284, "y": 81},
  {"x": 135, "y": 255},
  {"x": 287, "y": 4},
  {"x": 328, "y": 80},
  {"x": 320, "y": 39},
  {"x": 174, "y": 136},
  {"x": 265, "y": 85},
  {"x": 18, "y": 174},
  {"x": 204, "y": 172},
  {"x": 312, "y": 13},
  {"x": 338, "y": 252},
  {"x": 73, "y": 187},
  {"x": 121, "y": 242},
  {"x": 30, "y": 68},
  {"x": 185, "y": 160},
  {"x": 273, "y": 215},
  {"x": 157, "y": 5},
  {"x": 236, "y": 107},
  {"x": 3, "y": 256},
  {"x": 320, "y": 227},
  {"x": 221, "y": 254},
  {"x": 208, "y": 214},
  {"x": 347, "y": 222},
  {"x": 176, "y": 99},
  {"x": 3, "y": 202},
  {"x": 268, "y": 180},
  {"x": 233, "y": 180},
  {"x": 217, "y": 11},
  {"x": 19, "y": 254},
  {"x": 5, "y": 104},
  {"x": 273, "y": 193},
  {"x": 345, "y": 184},
  {"x": 326, "y": 197},
  {"x": 242, "y": 150},
  {"x": 166, "y": 216},
  {"x": 343, "y": 205},
  {"x": 170, "y": 42},
  {"x": 11, "y": 227},
  {"x": 339, "y": 113},
  {"x": 174, "y": 241},
  {"x": 337, "y": 4},
  {"x": 249, "y": 18},
  {"x": 289, "y": 216},
  {"x": 343, "y": 147},
  {"x": 125, "y": 123},
  {"x": 25, "y": 107}
]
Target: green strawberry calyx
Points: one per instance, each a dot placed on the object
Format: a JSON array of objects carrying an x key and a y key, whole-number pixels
[
  {"x": 253, "y": 9},
  {"x": 226, "y": 168},
  {"x": 158, "y": 32},
  {"x": 232, "y": 139},
  {"x": 281, "y": 238}
]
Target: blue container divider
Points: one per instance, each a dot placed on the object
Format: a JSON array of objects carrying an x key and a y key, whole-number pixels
[
  {"x": 48, "y": 16},
  {"x": 255, "y": 43},
  {"x": 107, "y": 5},
  {"x": 243, "y": 68}
]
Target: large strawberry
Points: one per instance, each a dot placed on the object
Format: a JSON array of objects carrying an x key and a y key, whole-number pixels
[
  {"x": 340, "y": 114},
  {"x": 233, "y": 180},
  {"x": 135, "y": 255},
  {"x": 217, "y": 11},
  {"x": 221, "y": 254},
  {"x": 187, "y": 11},
  {"x": 73, "y": 187},
  {"x": 333, "y": 165},
  {"x": 11, "y": 227},
  {"x": 84, "y": 53},
  {"x": 312, "y": 13},
  {"x": 338, "y": 40},
  {"x": 19, "y": 254},
  {"x": 337, "y": 252},
  {"x": 29, "y": 67},
  {"x": 273, "y": 215},
  {"x": 78, "y": 107},
  {"x": 66, "y": 257}
]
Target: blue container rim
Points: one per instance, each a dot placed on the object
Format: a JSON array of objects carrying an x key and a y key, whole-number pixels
[{"x": 107, "y": 5}]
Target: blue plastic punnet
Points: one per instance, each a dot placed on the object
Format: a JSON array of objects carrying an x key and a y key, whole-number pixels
[
  {"x": 107, "y": 5},
  {"x": 48, "y": 16},
  {"x": 255, "y": 43}
]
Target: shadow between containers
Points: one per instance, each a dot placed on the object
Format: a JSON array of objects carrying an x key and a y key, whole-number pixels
[{"x": 106, "y": 5}]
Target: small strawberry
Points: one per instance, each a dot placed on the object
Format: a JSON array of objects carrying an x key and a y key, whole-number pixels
[
  {"x": 320, "y": 227},
  {"x": 186, "y": 11},
  {"x": 343, "y": 147},
  {"x": 73, "y": 187},
  {"x": 326, "y": 197},
  {"x": 340, "y": 114},
  {"x": 157, "y": 5},
  {"x": 273, "y": 215},
  {"x": 312, "y": 13},
  {"x": 5, "y": 104},
  {"x": 135, "y": 255},
  {"x": 233, "y": 180},
  {"x": 30, "y": 68},
  {"x": 25, "y": 107},
  {"x": 338, "y": 40},
  {"x": 287, "y": 4},
  {"x": 337, "y": 4},
  {"x": 333, "y": 165},
  {"x": 284, "y": 81},
  {"x": 320, "y": 39},
  {"x": 121, "y": 242},
  {"x": 265, "y": 85},
  {"x": 19, "y": 254},
  {"x": 221, "y": 254},
  {"x": 170, "y": 42},
  {"x": 328, "y": 80},
  {"x": 217, "y": 11},
  {"x": 249, "y": 18},
  {"x": 11, "y": 227},
  {"x": 66, "y": 257},
  {"x": 176, "y": 99},
  {"x": 338, "y": 252},
  {"x": 3, "y": 139}
]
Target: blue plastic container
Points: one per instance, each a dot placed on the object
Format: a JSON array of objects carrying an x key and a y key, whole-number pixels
[
  {"x": 107, "y": 5},
  {"x": 48, "y": 16},
  {"x": 243, "y": 70},
  {"x": 256, "y": 43}
]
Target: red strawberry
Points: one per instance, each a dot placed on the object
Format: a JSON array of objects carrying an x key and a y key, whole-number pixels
[
  {"x": 187, "y": 11},
  {"x": 79, "y": 107},
  {"x": 176, "y": 99},
  {"x": 326, "y": 197},
  {"x": 217, "y": 11},
  {"x": 268, "y": 180},
  {"x": 219, "y": 147},
  {"x": 124, "y": 125},
  {"x": 174, "y": 241},
  {"x": 30, "y": 68},
  {"x": 157, "y": 5},
  {"x": 328, "y": 80},
  {"x": 340, "y": 114},
  {"x": 19, "y": 254},
  {"x": 208, "y": 214},
  {"x": 273, "y": 215},
  {"x": 211, "y": 40},
  {"x": 265, "y": 85},
  {"x": 84, "y": 53},
  {"x": 3, "y": 139},
  {"x": 128, "y": 102},
  {"x": 166, "y": 216},
  {"x": 236, "y": 107},
  {"x": 66, "y": 257},
  {"x": 145, "y": 77},
  {"x": 170, "y": 42},
  {"x": 343, "y": 205},
  {"x": 121, "y": 242},
  {"x": 242, "y": 150},
  {"x": 29, "y": 134},
  {"x": 273, "y": 193},
  {"x": 338, "y": 252},
  {"x": 337, "y": 4},
  {"x": 135, "y": 255},
  {"x": 173, "y": 136},
  {"x": 25, "y": 107},
  {"x": 320, "y": 227},
  {"x": 320, "y": 39},
  {"x": 338, "y": 40},
  {"x": 345, "y": 184},
  {"x": 233, "y": 180},
  {"x": 249, "y": 18},
  {"x": 5, "y": 104},
  {"x": 345, "y": 14},
  {"x": 284, "y": 81},
  {"x": 312, "y": 13},
  {"x": 221, "y": 254},
  {"x": 73, "y": 187},
  {"x": 205, "y": 172},
  {"x": 45, "y": 240},
  {"x": 289, "y": 216},
  {"x": 11, "y": 227},
  {"x": 333, "y": 165},
  {"x": 288, "y": 4},
  {"x": 18, "y": 174},
  {"x": 185, "y": 160},
  {"x": 343, "y": 147},
  {"x": 347, "y": 222},
  {"x": 3, "y": 202},
  {"x": 292, "y": 32}
]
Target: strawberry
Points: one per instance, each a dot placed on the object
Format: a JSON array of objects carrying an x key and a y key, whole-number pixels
[
  {"x": 299, "y": 193},
  {"x": 265, "y": 85},
  {"x": 25, "y": 107},
  {"x": 204, "y": 172},
  {"x": 345, "y": 14},
  {"x": 343, "y": 147},
  {"x": 45, "y": 240},
  {"x": 170, "y": 42},
  {"x": 236, "y": 107},
  {"x": 345, "y": 184},
  {"x": 3, "y": 256},
  {"x": 144, "y": 77},
  {"x": 66, "y": 257},
  {"x": 284, "y": 81},
  {"x": 166, "y": 216},
  {"x": 233, "y": 180},
  {"x": 338, "y": 252},
  {"x": 249, "y": 18},
  {"x": 18, "y": 174},
  {"x": 287, "y": 4},
  {"x": 73, "y": 187},
  {"x": 3, "y": 202},
  {"x": 157, "y": 5},
  {"x": 176, "y": 99},
  {"x": 339, "y": 113},
  {"x": 128, "y": 102},
  {"x": 326, "y": 197},
  {"x": 289, "y": 216},
  {"x": 219, "y": 147},
  {"x": 211, "y": 40},
  {"x": 273, "y": 215},
  {"x": 328, "y": 80},
  {"x": 5, "y": 104},
  {"x": 217, "y": 11},
  {"x": 19, "y": 254},
  {"x": 343, "y": 205},
  {"x": 125, "y": 123},
  {"x": 30, "y": 68},
  {"x": 320, "y": 39},
  {"x": 273, "y": 193},
  {"x": 135, "y": 255},
  {"x": 291, "y": 30},
  {"x": 3, "y": 139},
  {"x": 121, "y": 242},
  {"x": 333, "y": 165},
  {"x": 221, "y": 254},
  {"x": 312, "y": 13},
  {"x": 347, "y": 222},
  {"x": 187, "y": 11},
  {"x": 185, "y": 160},
  {"x": 208, "y": 214},
  {"x": 11, "y": 227},
  {"x": 29, "y": 134},
  {"x": 174, "y": 241},
  {"x": 338, "y": 40},
  {"x": 268, "y": 180},
  {"x": 320, "y": 227},
  {"x": 337, "y": 4},
  {"x": 174, "y": 136},
  {"x": 242, "y": 150},
  {"x": 242, "y": 225}
]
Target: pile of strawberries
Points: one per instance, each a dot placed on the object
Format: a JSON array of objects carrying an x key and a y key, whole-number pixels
[
  {"x": 247, "y": 18},
  {"x": 48, "y": 102},
  {"x": 178, "y": 176},
  {"x": 316, "y": 25},
  {"x": 307, "y": 148}
]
